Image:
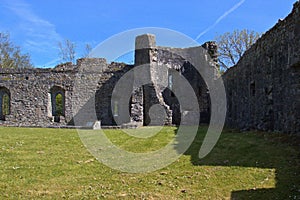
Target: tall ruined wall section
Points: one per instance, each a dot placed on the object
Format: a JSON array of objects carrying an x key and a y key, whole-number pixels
[
  {"x": 154, "y": 77},
  {"x": 263, "y": 89},
  {"x": 165, "y": 64},
  {"x": 177, "y": 60}
]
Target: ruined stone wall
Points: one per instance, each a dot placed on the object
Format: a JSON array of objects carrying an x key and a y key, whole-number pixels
[
  {"x": 263, "y": 89},
  {"x": 177, "y": 61},
  {"x": 93, "y": 86},
  {"x": 86, "y": 87},
  {"x": 148, "y": 81},
  {"x": 165, "y": 64},
  {"x": 105, "y": 104},
  {"x": 30, "y": 98}
]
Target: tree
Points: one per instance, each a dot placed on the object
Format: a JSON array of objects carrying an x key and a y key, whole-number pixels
[
  {"x": 67, "y": 51},
  {"x": 5, "y": 104},
  {"x": 59, "y": 105},
  {"x": 88, "y": 49},
  {"x": 231, "y": 46},
  {"x": 10, "y": 55}
]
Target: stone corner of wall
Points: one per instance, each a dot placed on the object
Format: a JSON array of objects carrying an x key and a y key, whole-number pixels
[{"x": 145, "y": 41}]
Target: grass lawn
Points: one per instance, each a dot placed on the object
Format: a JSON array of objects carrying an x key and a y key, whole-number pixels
[{"x": 53, "y": 164}]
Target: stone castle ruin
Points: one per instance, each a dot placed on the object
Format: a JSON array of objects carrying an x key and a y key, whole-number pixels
[
  {"x": 263, "y": 89},
  {"x": 86, "y": 89}
]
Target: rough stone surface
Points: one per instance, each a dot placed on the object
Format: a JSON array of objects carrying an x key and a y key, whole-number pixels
[
  {"x": 164, "y": 65},
  {"x": 87, "y": 89},
  {"x": 30, "y": 94},
  {"x": 263, "y": 89},
  {"x": 32, "y": 91}
]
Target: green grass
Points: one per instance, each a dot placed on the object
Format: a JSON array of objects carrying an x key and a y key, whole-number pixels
[{"x": 53, "y": 164}]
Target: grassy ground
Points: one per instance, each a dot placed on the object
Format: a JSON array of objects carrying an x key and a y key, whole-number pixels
[{"x": 54, "y": 164}]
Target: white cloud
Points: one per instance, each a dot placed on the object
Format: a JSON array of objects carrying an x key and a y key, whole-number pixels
[
  {"x": 236, "y": 6},
  {"x": 40, "y": 34},
  {"x": 51, "y": 63}
]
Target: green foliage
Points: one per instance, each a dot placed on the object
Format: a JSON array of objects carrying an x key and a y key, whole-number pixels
[
  {"x": 59, "y": 105},
  {"x": 5, "y": 104},
  {"x": 87, "y": 50},
  {"x": 231, "y": 46},
  {"x": 10, "y": 55},
  {"x": 53, "y": 164}
]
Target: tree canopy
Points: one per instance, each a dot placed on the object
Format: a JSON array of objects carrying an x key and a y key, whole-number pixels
[
  {"x": 10, "y": 54},
  {"x": 67, "y": 51},
  {"x": 232, "y": 45}
]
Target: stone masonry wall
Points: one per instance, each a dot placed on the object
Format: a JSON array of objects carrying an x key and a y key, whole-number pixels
[
  {"x": 164, "y": 65},
  {"x": 263, "y": 89},
  {"x": 87, "y": 88},
  {"x": 177, "y": 62},
  {"x": 30, "y": 95}
]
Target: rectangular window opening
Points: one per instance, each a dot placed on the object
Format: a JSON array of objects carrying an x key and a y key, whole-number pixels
[{"x": 252, "y": 89}]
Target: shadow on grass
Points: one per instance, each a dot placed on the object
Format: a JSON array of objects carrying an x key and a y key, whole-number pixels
[{"x": 258, "y": 150}]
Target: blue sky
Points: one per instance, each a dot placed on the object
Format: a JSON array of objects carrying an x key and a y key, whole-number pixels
[{"x": 38, "y": 25}]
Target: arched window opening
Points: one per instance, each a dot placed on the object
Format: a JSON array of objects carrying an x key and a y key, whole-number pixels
[
  {"x": 59, "y": 104},
  {"x": 4, "y": 102}
]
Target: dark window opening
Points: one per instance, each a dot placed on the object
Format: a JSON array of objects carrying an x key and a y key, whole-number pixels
[
  {"x": 252, "y": 89},
  {"x": 57, "y": 119}
]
